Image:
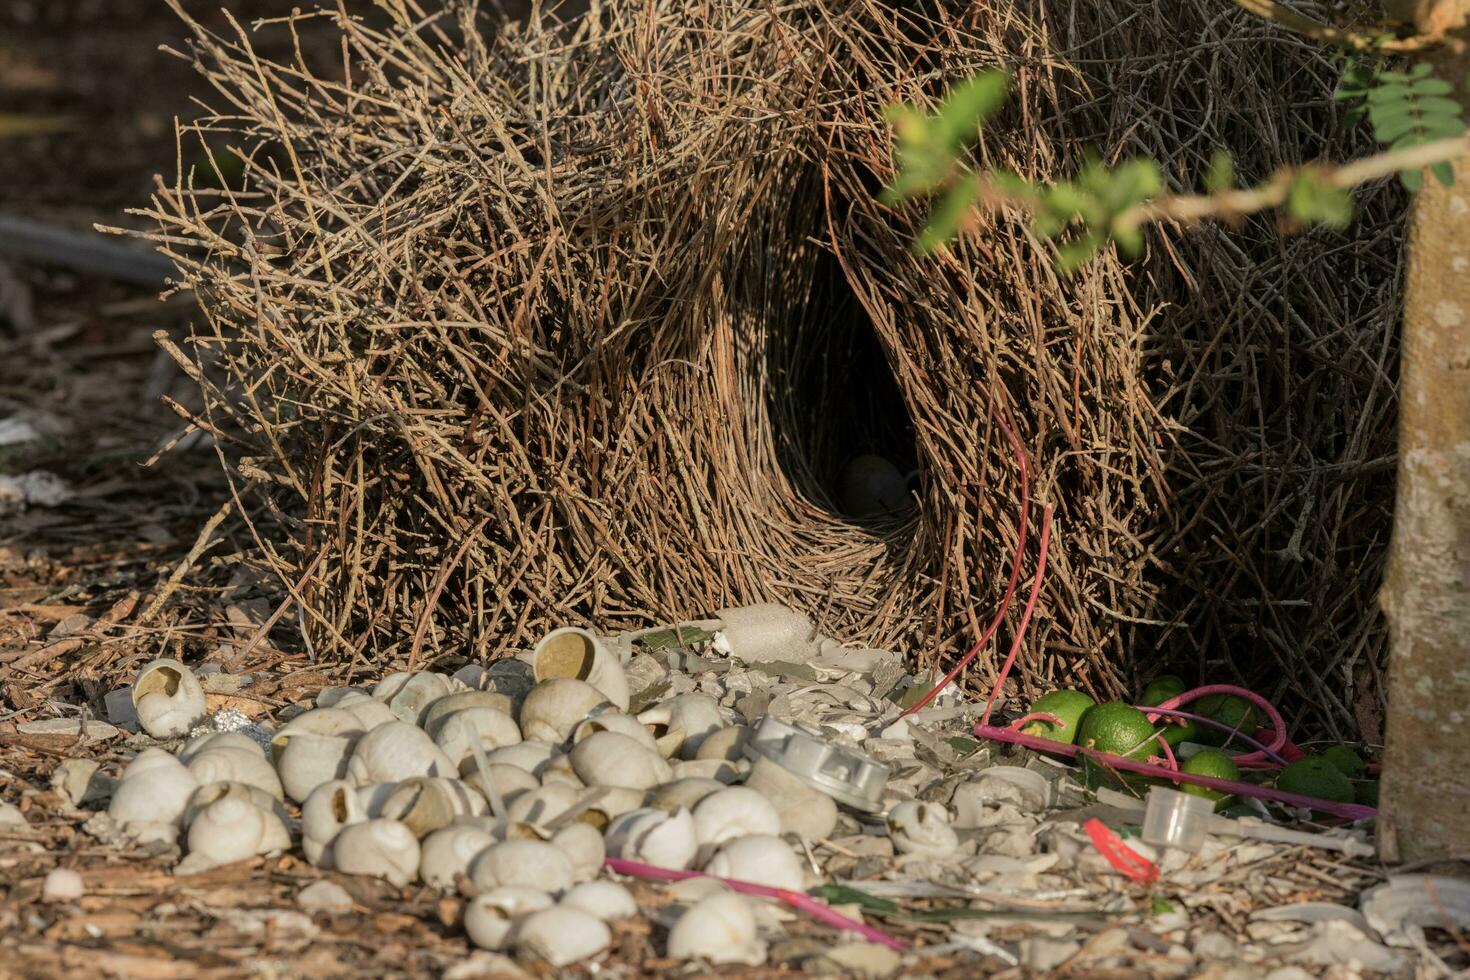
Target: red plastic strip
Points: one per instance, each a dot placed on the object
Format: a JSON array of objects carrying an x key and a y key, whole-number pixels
[{"x": 1120, "y": 855}]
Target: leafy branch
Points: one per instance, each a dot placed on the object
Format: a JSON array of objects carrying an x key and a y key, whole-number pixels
[{"x": 1106, "y": 203}]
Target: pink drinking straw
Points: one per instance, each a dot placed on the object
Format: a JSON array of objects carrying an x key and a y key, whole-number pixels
[{"x": 796, "y": 900}]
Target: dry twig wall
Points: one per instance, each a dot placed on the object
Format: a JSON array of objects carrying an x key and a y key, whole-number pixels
[{"x": 529, "y": 323}]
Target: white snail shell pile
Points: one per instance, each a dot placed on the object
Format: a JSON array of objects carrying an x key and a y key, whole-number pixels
[{"x": 512, "y": 794}]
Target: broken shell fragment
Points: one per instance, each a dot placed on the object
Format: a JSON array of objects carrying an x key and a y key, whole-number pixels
[
  {"x": 425, "y": 804},
  {"x": 718, "y": 929},
  {"x": 218, "y": 740},
  {"x": 330, "y": 807},
  {"x": 562, "y": 935},
  {"x": 683, "y": 792},
  {"x": 698, "y": 715},
  {"x": 613, "y": 721},
  {"x": 380, "y": 848},
  {"x": 462, "y": 700},
  {"x": 511, "y": 782},
  {"x": 543, "y": 805},
  {"x": 922, "y": 828},
  {"x": 572, "y": 652},
  {"x": 62, "y": 885},
  {"x": 666, "y": 732},
  {"x": 554, "y": 708},
  {"x": 168, "y": 699},
  {"x": 490, "y": 918},
  {"x": 607, "y": 900}
]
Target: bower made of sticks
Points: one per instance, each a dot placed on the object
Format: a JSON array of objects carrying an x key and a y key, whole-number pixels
[{"x": 535, "y": 323}]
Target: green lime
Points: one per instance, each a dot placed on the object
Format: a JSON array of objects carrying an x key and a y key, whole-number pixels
[
  {"x": 1348, "y": 762},
  {"x": 1365, "y": 791},
  {"x": 1209, "y": 762},
  {"x": 1314, "y": 776},
  {"x": 1069, "y": 706},
  {"x": 1118, "y": 729},
  {"x": 1161, "y": 689},
  {"x": 1177, "y": 730},
  {"x": 1228, "y": 709}
]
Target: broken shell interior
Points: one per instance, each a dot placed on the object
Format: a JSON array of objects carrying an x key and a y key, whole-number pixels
[
  {"x": 168, "y": 699},
  {"x": 727, "y": 744},
  {"x": 922, "y": 828},
  {"x": 698, "y": 716},
  {"x": 667, "y": 733},
  {"x": 562, "y": 935},
  {"x": 380, "y": 848},
  {"x": 424, "y": 804},
  {"x": 572, "y": 652},
  {"x": 490, "y": 917},
  {"x": 330, "y": 807}
]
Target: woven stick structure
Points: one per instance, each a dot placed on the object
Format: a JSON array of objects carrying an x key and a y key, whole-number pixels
[{"x": 527, "y": 323}]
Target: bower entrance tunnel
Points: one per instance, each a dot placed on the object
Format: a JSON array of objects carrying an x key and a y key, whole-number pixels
[{"x": 844, "y": 436}]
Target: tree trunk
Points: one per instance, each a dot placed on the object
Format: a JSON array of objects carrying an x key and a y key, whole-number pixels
[{"x": 1426, "y": 768}]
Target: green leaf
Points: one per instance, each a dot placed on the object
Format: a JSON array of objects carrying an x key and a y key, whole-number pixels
[
  {"x": 954, "y": 206},
  {"x": 844, "y": 895},
  {"x": 968, "y": 105},
  {"x": 1221, "y": 175},
  {"x": 1432, "y": 86},
  {"x": 1444, "y": 172},
  {"x": 1411, "y": 179},
  {"x": 1311, "y": 200}
]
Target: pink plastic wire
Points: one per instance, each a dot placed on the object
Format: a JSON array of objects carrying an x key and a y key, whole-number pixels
[
  {"x": 1005, "y": 669},
  {"x": 1348, "y": 811},
  {"x": 1278, "y": 725},
  {"x": 796, "y": 900},
  {"x": 1024, "y": 476}
]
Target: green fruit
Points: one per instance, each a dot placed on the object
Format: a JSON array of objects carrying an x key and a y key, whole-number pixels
[
  {"x": 1365, "y": 791},
  {"x": 1118, "y": 729},
  {"x": 1228, "y": 709},
  {"x": 1069, "y": 706},
  {"x": 1348, "y": 762},
  {"x": 1315, "y": 776},
  {"x": 1161, "y": 689},
  {"x": 1209, "y": 762}
]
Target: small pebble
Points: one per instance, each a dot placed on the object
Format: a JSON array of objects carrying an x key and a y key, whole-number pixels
[{"x": 62, "y": 885}]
